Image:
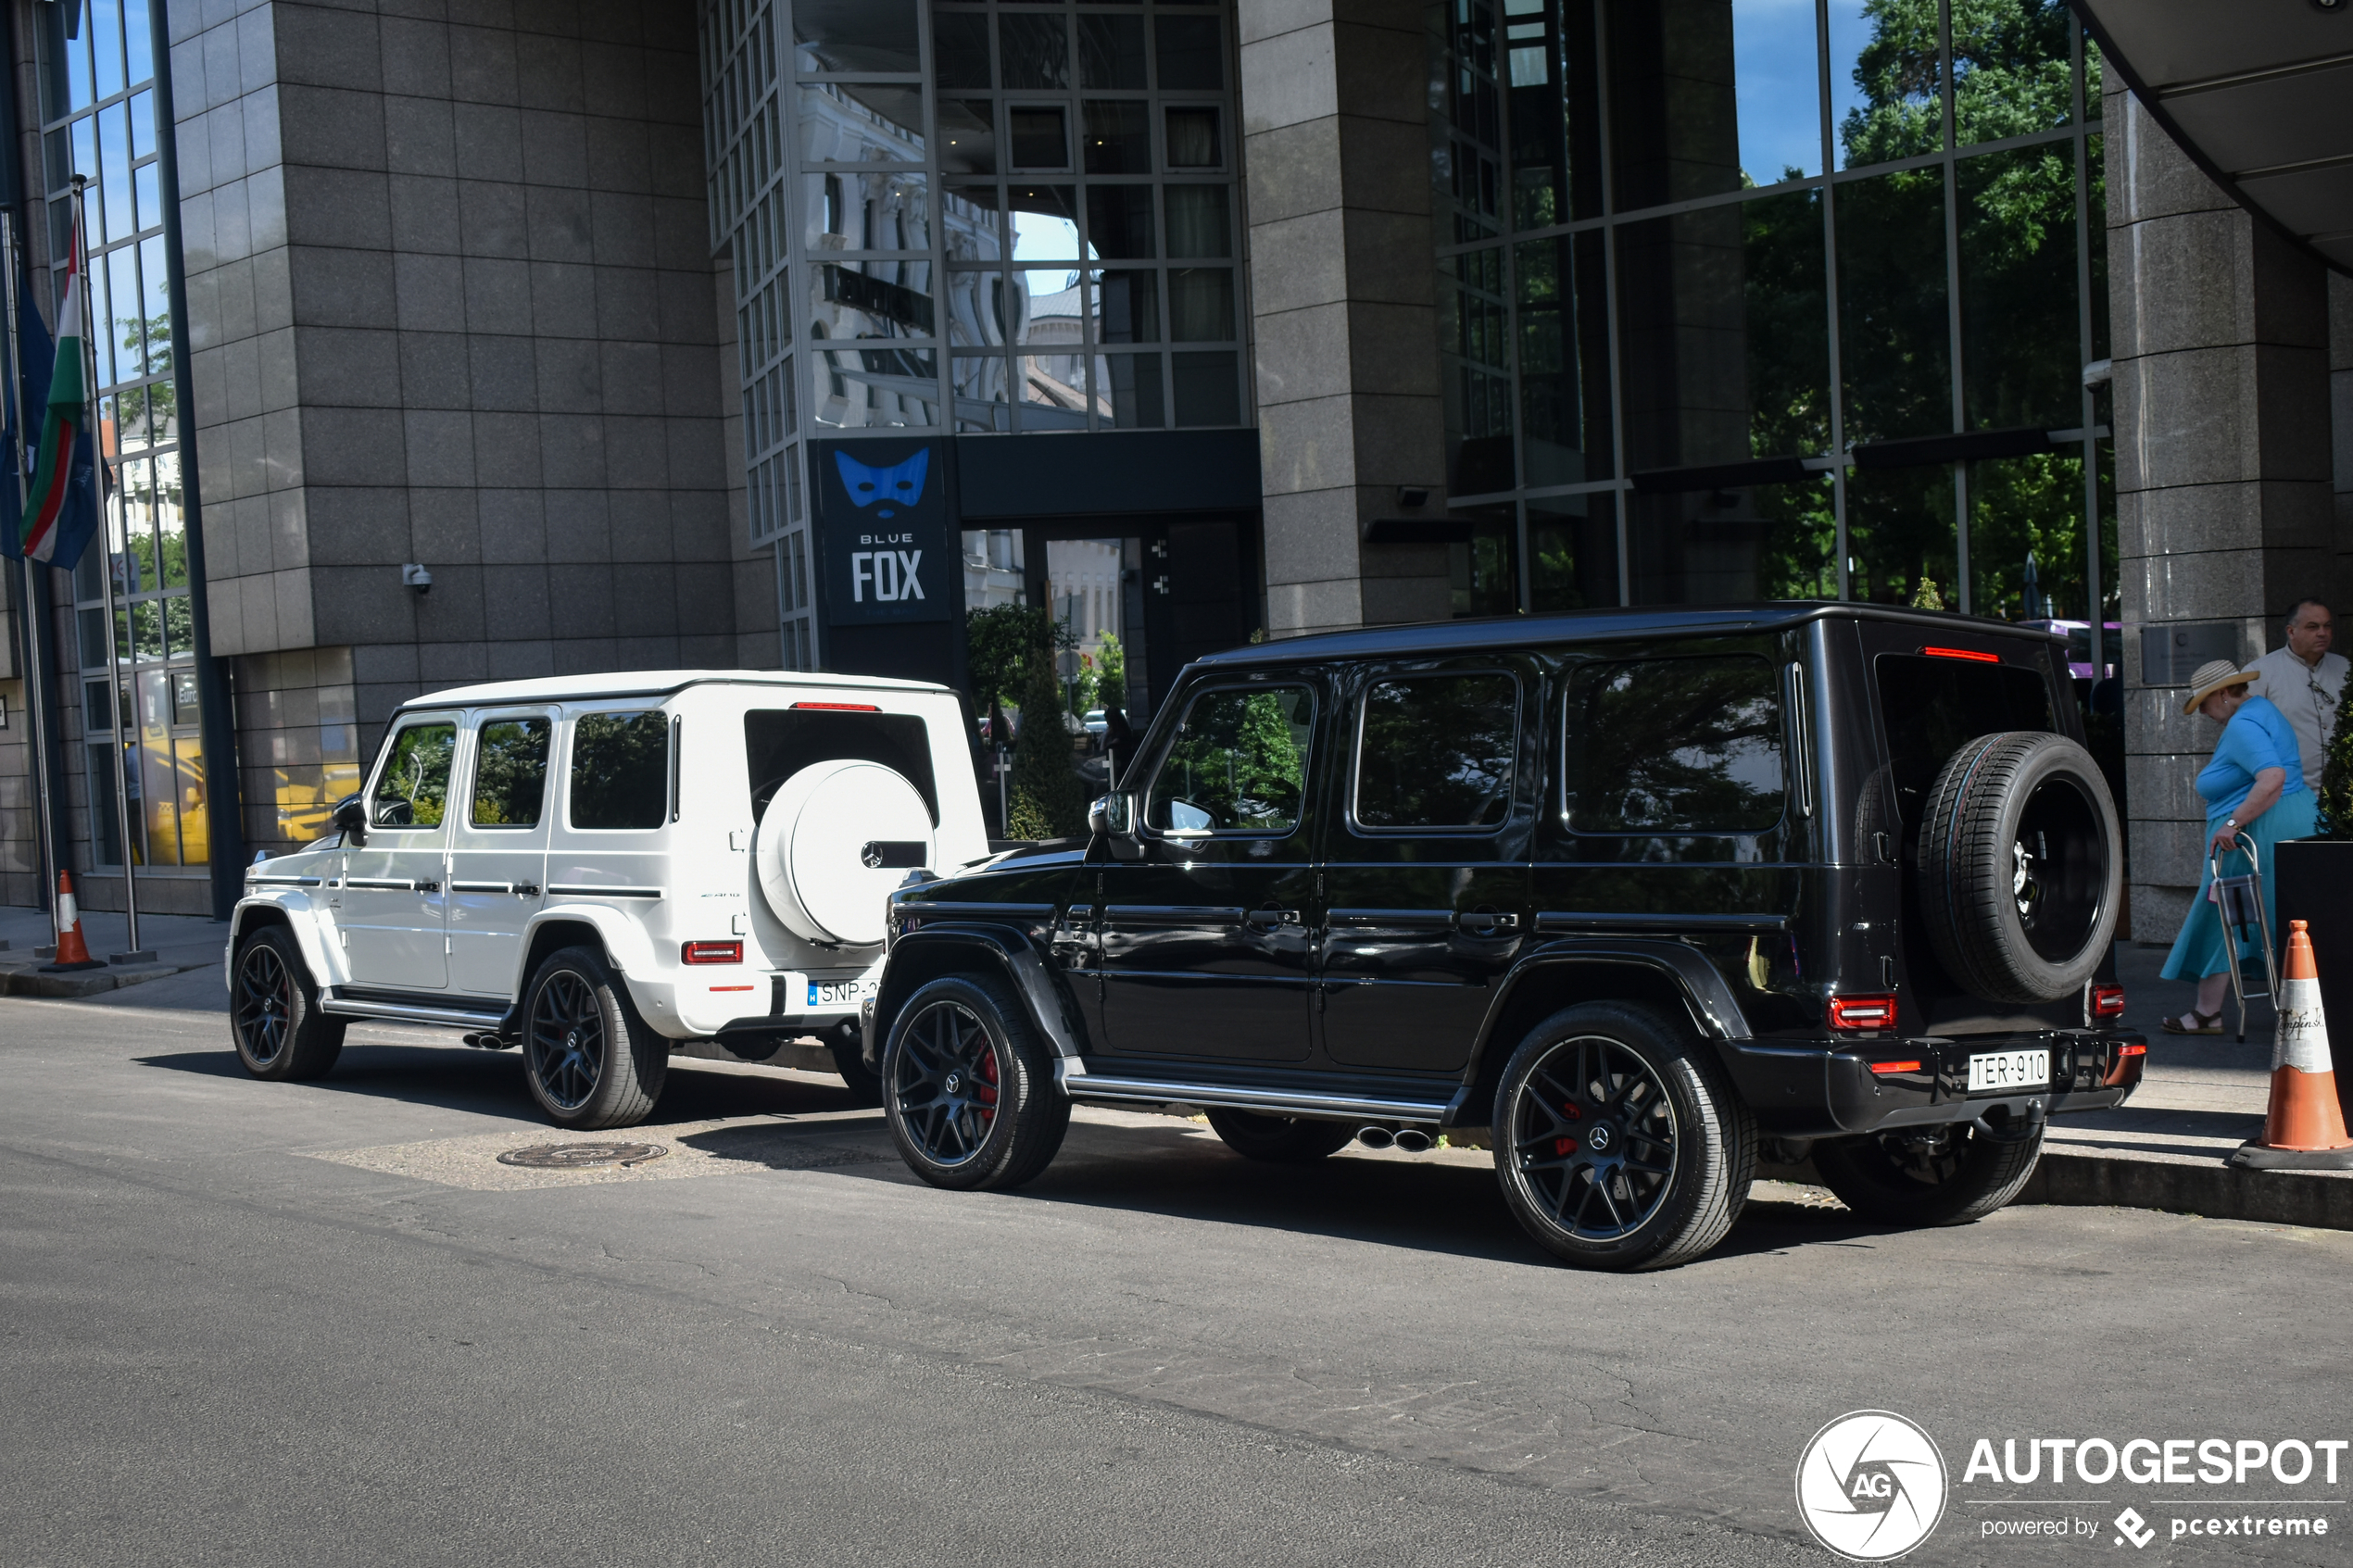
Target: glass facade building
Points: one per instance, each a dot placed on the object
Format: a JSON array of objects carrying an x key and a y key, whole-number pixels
[
  {"x": 1769, "y": 299},
  {"x": 99, "y": 120},
  {"x": 975, "y": 219}
]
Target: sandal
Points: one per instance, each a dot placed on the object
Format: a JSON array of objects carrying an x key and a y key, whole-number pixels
[{"x": 2207, "y": 1022}]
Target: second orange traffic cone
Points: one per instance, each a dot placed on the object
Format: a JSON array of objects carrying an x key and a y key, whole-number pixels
[
  {"x": 72, "y": 951},
  {"x": 2305, "y": 1130}
]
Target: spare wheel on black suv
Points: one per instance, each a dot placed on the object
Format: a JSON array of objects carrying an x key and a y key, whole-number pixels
[{"x": 2020, "y": 867}]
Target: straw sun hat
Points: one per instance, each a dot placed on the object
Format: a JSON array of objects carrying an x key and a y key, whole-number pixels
[{"x": 2212, "y": 676}]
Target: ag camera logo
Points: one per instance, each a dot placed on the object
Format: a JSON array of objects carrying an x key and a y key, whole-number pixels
[{"x": 1871, "y": 1486}]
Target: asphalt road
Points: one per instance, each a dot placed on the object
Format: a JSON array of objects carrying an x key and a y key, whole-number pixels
[{"x": 257, "y": 1323}]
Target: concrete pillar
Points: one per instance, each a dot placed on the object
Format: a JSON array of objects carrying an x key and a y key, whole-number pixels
[
  {"x": 1335, "y": 115},
  {"x": 2220, "y": 410}
]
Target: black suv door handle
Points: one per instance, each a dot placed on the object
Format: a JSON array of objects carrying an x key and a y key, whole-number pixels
[
  {"x": 1486, "y": 921},
  {"x": 1273, "y": 917}
]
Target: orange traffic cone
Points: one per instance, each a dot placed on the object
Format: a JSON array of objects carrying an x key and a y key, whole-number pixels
[
  {"x": 72, "y": 951},
  {"x": 2305, "y": 1130}
]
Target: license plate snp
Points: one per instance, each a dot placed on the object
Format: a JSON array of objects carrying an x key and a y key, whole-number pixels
[
  {"x": 833, "y": 993},
  {"x": 2010, "y": 1070}
]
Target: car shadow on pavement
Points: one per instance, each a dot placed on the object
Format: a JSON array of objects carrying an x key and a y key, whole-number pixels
[{"x": 1425, "y": 1205}]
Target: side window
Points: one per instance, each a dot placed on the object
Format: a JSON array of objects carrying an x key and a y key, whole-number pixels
[
  {"x": 1238, "y": 763},
  {"x": 1436, "y": 751},
  {"x": 1674, "y": 746},
  {"x": 620, "y": 770},
  {"x": 510, "y": 772},
  {"x": 414, "y": 788}
]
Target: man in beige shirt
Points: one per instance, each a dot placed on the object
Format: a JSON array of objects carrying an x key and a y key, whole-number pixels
[{"x": 2304, "y": 680}]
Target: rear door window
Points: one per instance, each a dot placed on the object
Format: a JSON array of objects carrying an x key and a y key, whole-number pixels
[
  {"x": 1674, "y": 746},
  {"x": 620, "y": 770},
  {"x": 1435, "y": 752},
  {"x": 511, "y": 773},
  {"x": 1932, "y": 707}
]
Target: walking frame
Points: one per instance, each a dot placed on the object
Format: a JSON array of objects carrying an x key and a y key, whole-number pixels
[{"x": 2240, "y": 901}]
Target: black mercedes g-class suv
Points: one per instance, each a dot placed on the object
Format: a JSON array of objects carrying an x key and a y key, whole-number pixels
[{"x": 1647, "y": 893}]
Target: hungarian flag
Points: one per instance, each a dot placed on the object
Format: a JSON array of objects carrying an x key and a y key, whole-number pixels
[{"x": 62, "y": 507}]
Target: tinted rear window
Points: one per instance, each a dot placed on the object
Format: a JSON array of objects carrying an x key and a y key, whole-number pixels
[
  {"x": 620, "y": 770},
  {"x": 1932, "y": 706},
  {"x": 1435, "y": 751},
  {"x": 780, "y": 742},
  {"x": 1674, "y": 746}
]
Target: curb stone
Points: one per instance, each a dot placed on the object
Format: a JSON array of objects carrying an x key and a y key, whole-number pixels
[
  {"x": 85, "y": 983},
  {"x": 2322, "y": 1201}
]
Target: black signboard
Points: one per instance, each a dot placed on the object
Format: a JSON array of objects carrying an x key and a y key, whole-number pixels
[{"x": 885, "y": 551}]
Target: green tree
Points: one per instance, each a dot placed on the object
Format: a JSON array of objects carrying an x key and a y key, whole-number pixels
[
  {"x": 1047, "y": 798},
  {"x": 2015, "y": 214},
  {"x": 1111, "y": 666}
]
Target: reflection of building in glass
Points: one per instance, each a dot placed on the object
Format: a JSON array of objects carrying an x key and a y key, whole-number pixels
[
  {"x": 1648, "y": 390},
  {"x": 992, "y": 568},
  {"x": 1082, "y": 586}
]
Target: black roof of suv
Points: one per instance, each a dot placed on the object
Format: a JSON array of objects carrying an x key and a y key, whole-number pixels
[{"x": 1646, "y": 892}]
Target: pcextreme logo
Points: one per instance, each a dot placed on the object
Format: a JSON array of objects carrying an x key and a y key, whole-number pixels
[{"x": 1871, "y": 1486}]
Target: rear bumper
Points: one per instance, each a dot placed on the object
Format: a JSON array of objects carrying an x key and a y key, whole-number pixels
[{"x": 1828, "y": 1088}]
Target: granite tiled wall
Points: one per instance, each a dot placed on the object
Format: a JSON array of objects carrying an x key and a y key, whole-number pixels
[
  {"x": 2220, "y": 399},
  {"x": 1335, "y": 130},
  {"x": 452, "y": 303}
]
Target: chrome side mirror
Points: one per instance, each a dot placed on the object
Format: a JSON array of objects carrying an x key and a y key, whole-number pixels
[
  {"x": 1113, "y": 819},
  {"x": 350, "y": 819}
]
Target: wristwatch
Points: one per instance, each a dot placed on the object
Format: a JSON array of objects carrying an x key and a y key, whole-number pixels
[{"x": 2231, "y": 822}]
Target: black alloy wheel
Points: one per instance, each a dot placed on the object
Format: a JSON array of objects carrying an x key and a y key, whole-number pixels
[
  {"x": 265, "y": 1004},
  {"x": 1947, "y": 1176},
  {"x": 589, "y": 1059},
  {"x": 566, "y": 1041},
  {"x": 946, "y": 1083},
  {"x": 968, "y": 1088},
  {"x": 273, "y": 1015},
  {"x": 1619, "y": 1141},
  {"x": 1594, "y": 1134}
]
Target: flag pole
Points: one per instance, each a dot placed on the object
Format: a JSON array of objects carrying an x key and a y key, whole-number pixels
[
  {"x": 36, "y": 612},
  {"x": 106, "y": 539}
]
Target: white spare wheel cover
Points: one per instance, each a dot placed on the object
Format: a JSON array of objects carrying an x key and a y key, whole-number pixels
[{"x": 835, "y": 838}]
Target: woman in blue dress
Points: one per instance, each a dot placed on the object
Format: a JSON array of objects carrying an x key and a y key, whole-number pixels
[{"x": 2254, "y": 786}]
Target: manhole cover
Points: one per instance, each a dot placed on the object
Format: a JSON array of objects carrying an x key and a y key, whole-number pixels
[{"x": 583, "y": 1156}]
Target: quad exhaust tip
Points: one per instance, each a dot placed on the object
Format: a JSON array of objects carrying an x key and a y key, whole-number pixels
[{"x": 1412, "y": 1140}]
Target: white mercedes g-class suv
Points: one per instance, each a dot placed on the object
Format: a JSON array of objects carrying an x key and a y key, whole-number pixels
[{"x": 608, "y": 870}]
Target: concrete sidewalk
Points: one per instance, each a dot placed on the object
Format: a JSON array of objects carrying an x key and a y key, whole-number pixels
[
  {"x": 2201, "y": 1098},
  {"x": 178, "y": 942}
]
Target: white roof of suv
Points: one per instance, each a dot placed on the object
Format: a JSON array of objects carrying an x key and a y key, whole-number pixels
[{"x": 647, "y": 682}]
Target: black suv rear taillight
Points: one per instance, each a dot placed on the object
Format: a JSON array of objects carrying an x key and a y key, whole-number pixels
[
  {"x": 1853, "y": 1014},
  {"x": 2103, "y": 1000}
]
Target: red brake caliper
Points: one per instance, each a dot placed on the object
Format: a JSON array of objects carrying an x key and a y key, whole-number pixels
[
  {"x": 1567, "y": 1145},
  {"x": 987, "y": 1093}
]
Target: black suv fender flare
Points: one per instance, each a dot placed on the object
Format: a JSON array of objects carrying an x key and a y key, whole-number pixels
[
  {"x": 1670, "y": 966},
  {"x": 951, "y": 947}
]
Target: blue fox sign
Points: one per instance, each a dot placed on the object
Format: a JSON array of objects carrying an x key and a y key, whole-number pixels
[{"x": 886, "y": 549}]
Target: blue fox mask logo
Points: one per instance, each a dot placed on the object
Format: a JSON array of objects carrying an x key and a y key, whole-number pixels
[{"x": 898, "y": 485}]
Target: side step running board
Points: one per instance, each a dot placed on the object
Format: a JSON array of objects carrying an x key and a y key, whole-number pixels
[
  {"x": 412, "y": 1012},
  {"x": 1079, "y": 1083}
]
